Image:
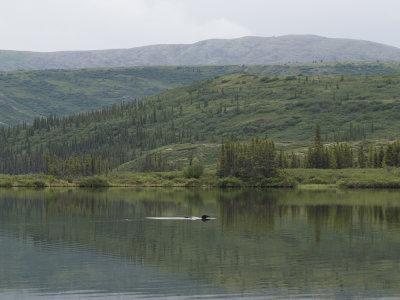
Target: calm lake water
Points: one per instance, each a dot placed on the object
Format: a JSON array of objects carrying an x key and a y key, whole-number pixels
[{"x": 94, "y": 244}]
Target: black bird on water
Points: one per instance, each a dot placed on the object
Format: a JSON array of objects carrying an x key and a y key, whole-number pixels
[
  {"x": 206, "y": 218},
  {"x": 203, "y": 218}
]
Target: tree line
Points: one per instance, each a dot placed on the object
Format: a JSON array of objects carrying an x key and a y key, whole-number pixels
[
  {"x": 247, "y": 160},
  {"x": 341, "y": 155},
  {"x": 260, "y": 158},
  {"x": 73, "y": 166}
]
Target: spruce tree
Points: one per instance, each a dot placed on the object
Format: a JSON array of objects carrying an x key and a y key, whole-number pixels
[{"x": 361, "y": 158}]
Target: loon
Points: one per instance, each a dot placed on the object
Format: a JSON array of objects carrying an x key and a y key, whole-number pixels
[{"x": 203, "y": 218}]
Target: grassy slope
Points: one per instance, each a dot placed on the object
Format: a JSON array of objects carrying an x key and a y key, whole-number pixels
[
  {"x": 25, "y": 94},
  {"x": 271, "y": 109},
  {"x": 284, "y": 109},
  {"x": 287, "y": 109}
]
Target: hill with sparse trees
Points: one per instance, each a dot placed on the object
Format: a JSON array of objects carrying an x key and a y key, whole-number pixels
[
  {"x": 26, "y": 94},
  {"x": 240, "y": 106}
]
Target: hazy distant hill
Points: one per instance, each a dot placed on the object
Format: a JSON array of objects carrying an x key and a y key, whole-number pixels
[{"x": 246, "y": 50}]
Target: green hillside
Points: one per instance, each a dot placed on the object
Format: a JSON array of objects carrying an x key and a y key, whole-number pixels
[
  {"x": 25, "y": 94},
  {"x": 284, "y": 109}
]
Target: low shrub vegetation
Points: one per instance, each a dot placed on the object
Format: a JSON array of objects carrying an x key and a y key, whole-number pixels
[{"x": 94, "y": 182}]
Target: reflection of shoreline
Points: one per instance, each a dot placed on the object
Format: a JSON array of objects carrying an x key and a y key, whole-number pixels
[
  {"x": 259, "y": 212},
  {"x": 95, "y": 202}
]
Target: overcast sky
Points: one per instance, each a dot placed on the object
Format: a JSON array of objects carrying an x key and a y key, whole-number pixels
[{"x": 50, "y": 25}]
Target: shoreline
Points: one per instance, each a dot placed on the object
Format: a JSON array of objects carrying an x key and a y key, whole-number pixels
[{"x": 303, "y": 179}]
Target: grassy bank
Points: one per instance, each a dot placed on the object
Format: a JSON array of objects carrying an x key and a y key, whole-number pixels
[
  {"x": 301, "y": 178},
  {"x": 346, "y": 178},
  {"x": 117, "y": 179},
  {"x": 131, "y": 179}
]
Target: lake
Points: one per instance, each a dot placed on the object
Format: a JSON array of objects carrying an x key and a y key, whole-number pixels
[{"x": 94, "y": 244}]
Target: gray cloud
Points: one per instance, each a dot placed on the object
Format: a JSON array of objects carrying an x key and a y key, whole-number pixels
[{"x": 48, "y": 25}]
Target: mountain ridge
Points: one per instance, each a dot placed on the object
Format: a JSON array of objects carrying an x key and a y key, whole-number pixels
[{"x": 244, "y": 50}]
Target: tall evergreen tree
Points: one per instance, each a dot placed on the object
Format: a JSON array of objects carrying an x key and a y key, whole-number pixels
[{"x": 362, "y": 160}]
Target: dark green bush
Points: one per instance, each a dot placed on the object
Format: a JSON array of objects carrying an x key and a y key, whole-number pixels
[
  {"x": 94, "y": 182},
  {"x": 229, "y": 182},
  {"x": 195, "y": 170},
  {"x": 192, "y": 183},
  {"x": 39, "y": 184}
]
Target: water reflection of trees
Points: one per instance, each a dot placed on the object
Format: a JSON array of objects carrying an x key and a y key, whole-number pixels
[
  {"x": 260, "y": 211},
  {"x": 248, "y": 210},
  {"x": 97, "y": 203}
]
